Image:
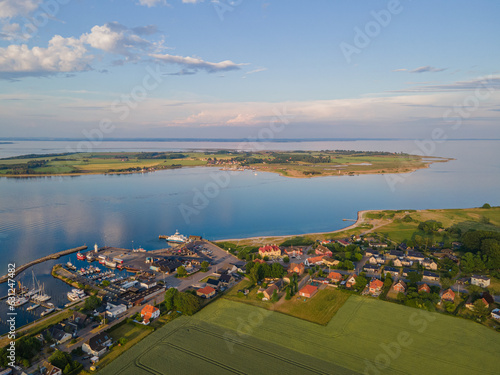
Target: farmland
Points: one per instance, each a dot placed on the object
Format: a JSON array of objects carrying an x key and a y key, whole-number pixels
[
  {"x": 365, "y": 336},
  {"x": 290, "y": 164}
]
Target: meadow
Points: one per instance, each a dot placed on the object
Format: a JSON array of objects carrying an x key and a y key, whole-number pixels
[{"x": 366, "y": 336}]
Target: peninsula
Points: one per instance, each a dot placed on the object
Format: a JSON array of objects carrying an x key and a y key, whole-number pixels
[{"x": 298, "y": 164}]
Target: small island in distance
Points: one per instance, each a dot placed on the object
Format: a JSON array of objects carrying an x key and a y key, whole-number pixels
[{"x": 298, "y": 164}]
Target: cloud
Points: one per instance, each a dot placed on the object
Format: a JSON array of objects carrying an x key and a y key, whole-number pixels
[
  {"x": 400, "y": 70},
  {"x": 426, "y": 69},
  {"x": 61, "y": 55},
  {"x": 195, "y": 64},
  {"x": 491, "y": 82},
  {"x": 254, "y": 71},
  {"x": 152, "y": 3},
  {"x": 14, "y": 8},
  {"x": 192, "y": 1},
  {"x": 118, "y": 39}
]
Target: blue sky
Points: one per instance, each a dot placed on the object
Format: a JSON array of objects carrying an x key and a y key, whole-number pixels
[{"x": 396, "y": 69}]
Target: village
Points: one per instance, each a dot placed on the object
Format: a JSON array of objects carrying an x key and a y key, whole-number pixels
[{"x": 94, "y": 330}]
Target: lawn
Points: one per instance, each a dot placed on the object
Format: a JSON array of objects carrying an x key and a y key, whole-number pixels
[
  {"x": 318, "y": 309},
  {"x": 365, "y": 336}
]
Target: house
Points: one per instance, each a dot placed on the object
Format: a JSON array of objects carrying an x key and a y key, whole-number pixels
[
  {"x": 330, "y": 262},
  {"x": 342, "y": 242},
  {"x": 308, "y": 291},
  {"x": 393, "y": 254},
  {"x": 226, "y": 279},
  {"x": 147, "y": 283},
  {"x": 293, "y": 252},
  {"x": 429, "y": 264},
  {"x": 495, "y": 314},
  {"x": 416, "y": 256},
  {"x": 430, "y": 276},
  {"x": 463, "y": 280},
  {"x": 165, "y": 265},
  {"x": 372, "y": 268},
  {"x": 424, "y": 288},
  {"x": 149, "y": 313},
  {"x": 206, "y": 292},
  {"x": 320, "y": 280},
  {"x": 298, "y": 268},
  {"x": 79, "y": 319},
  {"x": 391, "y": 270},
  {"x": 351, "y": 281},
  {"x": 59, "y": 334},
  {"x": 378, "y": 244},
  {"x": 48, "y": 369},
  {"x": 373, "y": 260},
  {"x": 261, "y": 261},
  {"x": 376, "y": 286},
  {"x": 488, "y": 297},
  {"x": 407, "y": 271},
  {"x": 271, "y": 251},
  {"x": 400, "y": 286},
  {"x": 481, "y": 281},
  {"x": 355, "y": 238},
  {"x": 313, "y": 261},
  {"x": 213, "y": 283},
  {"x": 268, "y": 293},
  {"x": 335, "y": 277},
  {"x": 370, "y": 252},
  {"x": 448, "y": 295},
  {"x": 406, "y": 262},
  {"x": 97, "y": 345},
  {"x": 114, "y": 310},
  {"x": 323, "y": 250},
  {"x": 397, "y": 262},
  {"x": 470, "y": 304}
]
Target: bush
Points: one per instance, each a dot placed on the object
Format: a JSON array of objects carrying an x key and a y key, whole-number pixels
[{"x": 486, "y": 205}]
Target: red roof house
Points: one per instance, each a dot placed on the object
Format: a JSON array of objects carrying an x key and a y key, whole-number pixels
[
  {"x": 308, "y": 291},
  {"x": 335, "y": 277},
  {"x": 424, "y": 288},
  {"x": 206, "y": 292},
  {"x": 149, "y": 313},
  {"x": 376, "y": 286},
  {"x": 448, "y": 295}
]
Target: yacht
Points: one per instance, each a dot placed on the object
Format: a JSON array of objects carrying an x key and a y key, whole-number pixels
[
  {"x": 48, "y": 311},
  {"x": 177, "y": 237},
  {"x": 18, "y": 301},
  {"x": 32, "y": 307},
  {"x": 76, "y": 294}
]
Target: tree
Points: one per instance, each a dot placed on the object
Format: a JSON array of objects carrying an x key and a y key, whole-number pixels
[
  {"x": 169, "y": 298},
  {"x": 275, "y": 297},
  {"x": 486, "y": 205},
  {"x": 92, "y": 303},
  {"x": 266, "y": 258},
  {"x": 204, "y": 266},
  {"x": 310, "y": 271},
  {"x": 414, "y": 277},
  {"x": 186, "y": 303},
  {"x": 480, "y": 309},
  {"x": 181, "y": 271},
  {"x": 401, "y": 297},
  {"x": 361, "y": 282},
  {"x": 446, "y": 282},
  {"x": 286, "y": 259},
  {"x": 106, "y": 283},
  {"x": 288, "y": 295}
]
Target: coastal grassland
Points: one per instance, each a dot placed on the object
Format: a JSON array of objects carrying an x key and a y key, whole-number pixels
[
  {"x": 287, "y": 163},
  {"x": 132, "y": 333},
  {"x": 229, "y": 337}
]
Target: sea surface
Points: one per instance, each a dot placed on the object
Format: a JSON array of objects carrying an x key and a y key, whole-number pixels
[{"x": 43, "y": 215}]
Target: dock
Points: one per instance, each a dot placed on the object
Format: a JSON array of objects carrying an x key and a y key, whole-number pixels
[
  {"x": 22, "y": 268},
  {"x": 349, "y": 220}
]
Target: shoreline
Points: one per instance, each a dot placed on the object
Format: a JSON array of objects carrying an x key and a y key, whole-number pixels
[{"x": 360, "y": 220}]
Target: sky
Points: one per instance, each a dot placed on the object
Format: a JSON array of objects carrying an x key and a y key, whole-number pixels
[{"x": 255, "y": 69}]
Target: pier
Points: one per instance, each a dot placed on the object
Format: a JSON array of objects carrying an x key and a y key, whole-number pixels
[{"x": 20, "y": 269}]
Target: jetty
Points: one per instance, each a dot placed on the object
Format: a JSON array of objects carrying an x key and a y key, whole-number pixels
[{"x": 24, "y": 267}]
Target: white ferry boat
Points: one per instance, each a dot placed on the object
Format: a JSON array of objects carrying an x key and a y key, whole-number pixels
[
  {"x": 177, "y": 238},
  {"x": 76, "y": 294}
]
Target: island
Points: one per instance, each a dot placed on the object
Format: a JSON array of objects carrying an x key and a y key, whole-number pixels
[{"x": 298, "y": 164}]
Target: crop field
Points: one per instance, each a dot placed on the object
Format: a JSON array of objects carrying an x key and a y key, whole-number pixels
[{"x": 365, "y": 336}]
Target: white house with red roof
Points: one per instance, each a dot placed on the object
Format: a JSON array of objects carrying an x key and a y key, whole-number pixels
[{"x": 271, "y": 251}]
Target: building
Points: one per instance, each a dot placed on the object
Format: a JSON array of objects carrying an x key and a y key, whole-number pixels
[
  {"x": 400, "y": 286},
  {"x": 226, "y": 279},
  {"x": 213, "y": 283},
  {"x": 147, "y": 283},
  {"x": 370, "y": 252},
  {"x": 448, "y": 295},
  {"x": 373, "y": 260},
  {"x": 406, "y": 262},
  {"x": 268, "y": 293},
  {"x": 48, "y": 369},
  {"x": 378, "y": 244},
  {"x": 323, "y": 250},
  {"x": 293, "y": 252},
  {"x": 430, "y": 264},
  {"x": 495, "y": 314},
  {"x": 313, "y": 261},
  {"x": 165, "y": 265},
  {"x": 376, "y": 286},
  {"x": 308, "y": 291},
  {"x": 470, "y": 305},
  {"x": 372, "y": 268},
  {"x": 407, "y": 271},
  {"x": 342, "y": 242},
  {"x": 416, "y": 256},
  {"x": 59, "y": 335},
  {"x": 430, "y": 276},
  {"x": 97, "y": 345},
  {"x": 298, "y": 268},
  {"x": 481, "y": 281},
  {"x": 397, "y": 262},
  {"x": 149, "y": 313},
  {"x": 79, "y": 319},
  {"x": 391, "y": 270},
  {"x": 113, "y": 310},
  {"x": 330, "y": 262},
  {"x": 335, "y": 277},
  {"x": 351, "y": 281},
  {"x": 393, "y": 254},
  {"x": 424, "y": 288},
  {"x": 206, "y": 292},
  {"x": 271, "y": 251}
]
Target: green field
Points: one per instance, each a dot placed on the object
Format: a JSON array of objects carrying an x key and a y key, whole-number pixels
[
  {"x": 292, "y": 164},
  {"x": 235, "y": 338}
]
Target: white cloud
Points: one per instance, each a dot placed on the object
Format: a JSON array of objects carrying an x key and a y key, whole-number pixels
[
  {"x": 195, "y": 63},
  {"x": 192, "y": 1},
  {"x": 15, "y": 8},
  {"x": 152, "y": 3},
  {"x": 427, "y": 68},
  {"x": 61, "y": 55}
]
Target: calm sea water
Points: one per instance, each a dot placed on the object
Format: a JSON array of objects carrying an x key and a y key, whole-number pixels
[{"x": 39, "y": 216}]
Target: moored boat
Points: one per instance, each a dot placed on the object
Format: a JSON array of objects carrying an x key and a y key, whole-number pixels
[{"x": 80, "y": 256}]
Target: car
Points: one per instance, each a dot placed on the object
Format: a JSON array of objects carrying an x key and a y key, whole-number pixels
[{"x": 95, "y": 326}]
